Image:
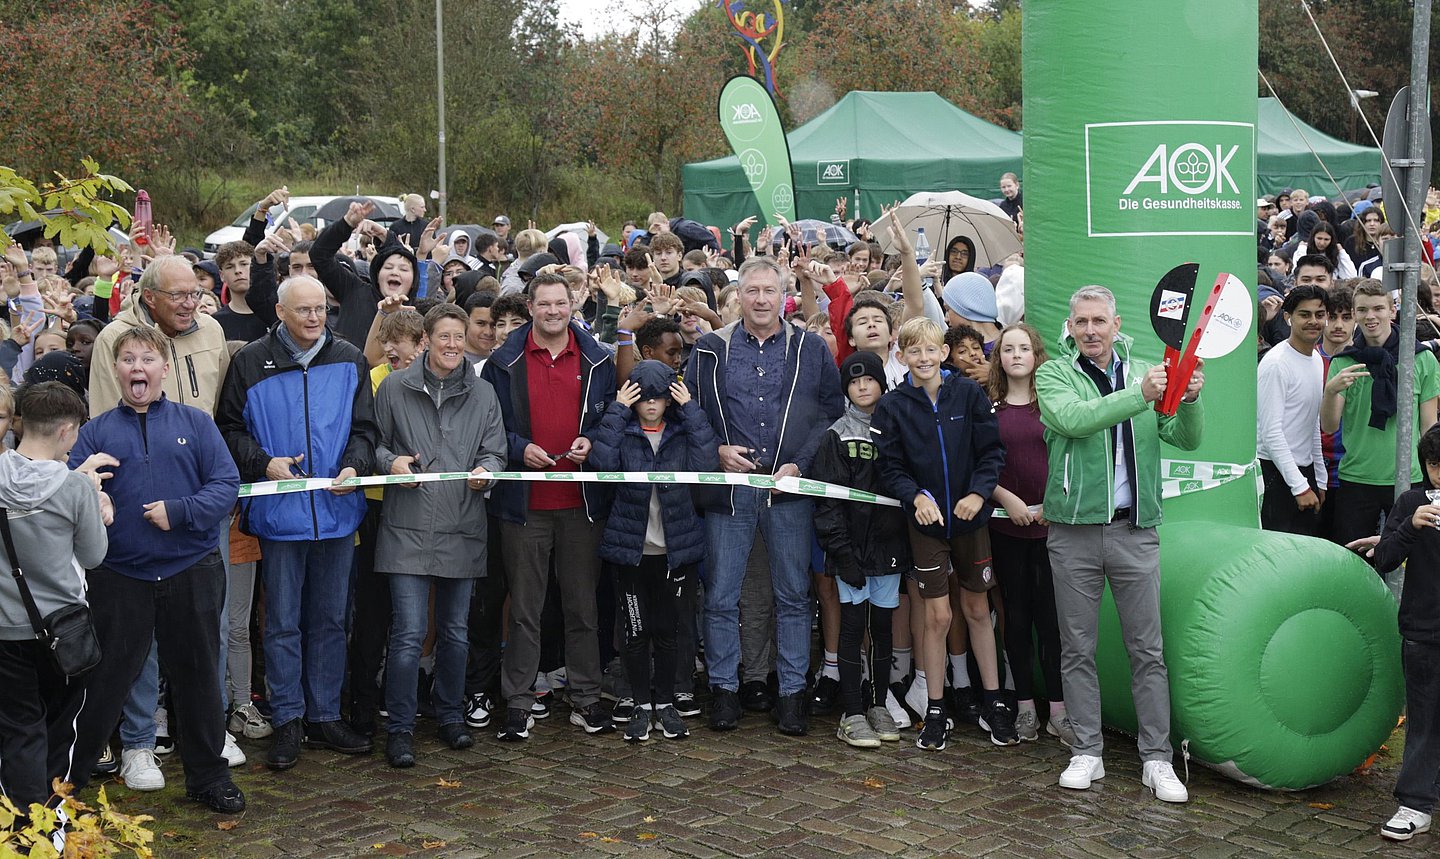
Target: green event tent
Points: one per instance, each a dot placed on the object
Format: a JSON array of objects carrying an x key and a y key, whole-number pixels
[
  {"x": 888, "y": 145},
  {"x": 1283, "y": 149}
]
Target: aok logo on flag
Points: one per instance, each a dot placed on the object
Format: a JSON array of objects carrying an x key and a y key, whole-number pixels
[{"x": 1170, "y": 178}]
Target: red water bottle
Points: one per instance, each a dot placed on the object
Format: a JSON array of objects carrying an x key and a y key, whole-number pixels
[{"x": 142, "y": 218}]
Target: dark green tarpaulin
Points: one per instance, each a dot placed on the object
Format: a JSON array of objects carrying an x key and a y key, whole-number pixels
[
  {"x": 1285, "y": 159},
  {"x": 887, "y": 144}
]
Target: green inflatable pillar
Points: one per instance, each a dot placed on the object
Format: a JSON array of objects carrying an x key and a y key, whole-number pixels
[{"x": 1139, "y": 156}]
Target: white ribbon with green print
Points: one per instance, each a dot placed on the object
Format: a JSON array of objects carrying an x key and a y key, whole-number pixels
[{"x": 1178, "y": 477}]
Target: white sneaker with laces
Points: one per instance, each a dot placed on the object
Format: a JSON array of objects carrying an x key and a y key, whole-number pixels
[
  {"x": 1083, "y": 770},
  {"x": 1160, "y": 777},
  {"x": 1406, "y": 824},
  {"x": 233, "y": 755},
  {"x": 140, "y": 770}
]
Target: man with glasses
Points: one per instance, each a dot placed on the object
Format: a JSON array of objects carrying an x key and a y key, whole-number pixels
[
  {"x": 297, "y": 403},
  {"x": 168, "y": 301}
]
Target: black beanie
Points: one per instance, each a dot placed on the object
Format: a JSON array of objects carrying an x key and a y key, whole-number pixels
[{"x": 862, "y": 364}]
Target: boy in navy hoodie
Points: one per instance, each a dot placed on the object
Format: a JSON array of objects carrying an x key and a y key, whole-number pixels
[
  {"x": 162, "y": 577},
  {"x": 945, "y": 419}
]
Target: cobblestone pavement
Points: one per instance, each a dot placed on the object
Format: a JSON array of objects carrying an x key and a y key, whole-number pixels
[{"x": 753, "y": 792}]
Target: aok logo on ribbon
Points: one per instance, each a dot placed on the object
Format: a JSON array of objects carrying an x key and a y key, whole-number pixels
[{"x": 1170, "y": 178}]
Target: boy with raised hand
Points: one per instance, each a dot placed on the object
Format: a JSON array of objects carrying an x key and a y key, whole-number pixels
[
  {"x": 1411, "y": 537},
  {"x": 867, "y": 550},
  {"x": 945, "y": 418}
]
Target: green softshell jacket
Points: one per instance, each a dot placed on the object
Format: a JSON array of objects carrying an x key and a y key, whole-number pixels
[{"x": 1079, "y": 489}]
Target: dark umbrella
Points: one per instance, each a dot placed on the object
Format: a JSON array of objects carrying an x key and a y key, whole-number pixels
[
  {"x": 814, "y": 232},
  {"x": 336, "y": 209}
]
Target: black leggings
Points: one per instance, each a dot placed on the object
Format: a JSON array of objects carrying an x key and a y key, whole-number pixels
[
  {"x": 653, "y": 600},
  {"x": 854, "y": 617},
  {"x": 1023, "y": 566}
]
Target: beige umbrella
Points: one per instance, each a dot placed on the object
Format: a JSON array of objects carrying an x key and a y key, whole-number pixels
[{"x": 947, "y": 214}]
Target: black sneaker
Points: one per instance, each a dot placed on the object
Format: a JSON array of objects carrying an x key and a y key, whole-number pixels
[
  {"x": 225, "y": 798},
  {"x": 822, "y": 697},
  {"x": 455, "y": 736},
  {"x": 541, "y": 708},
  {"x": 724, "y": 709},
  {"x": 790, "y": 714},
  {"x": 518, "y": 723},
  {"x": 965, "y": 704},
  {"x": 671, "y": 725},
  {"x": 755, "y": 696},
  {"x": 108, "y": 764},
  {"x": 400, "y": 750},
  {"x": 592, "y": 718},
  {"x": 934, "y": 734},
  {"x": 685, "y": 704},
  {"x": 999, "y": 721},
  {"x": 285, "y": 746},
  {"x": 624, "y": 709},
  {"x": 337, "y": 737},
  {"x": 637, "y": 729},
  {"x": 478, "y": 710}
]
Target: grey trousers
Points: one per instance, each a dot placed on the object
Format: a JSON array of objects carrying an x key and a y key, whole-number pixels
[
  {"x": 757, "y": 615},
  {"x": 1083, "y": 558},
  {"x": 575, "y": 542}
]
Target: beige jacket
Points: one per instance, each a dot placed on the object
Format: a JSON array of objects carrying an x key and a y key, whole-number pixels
[{"x": 198, "y": 361}]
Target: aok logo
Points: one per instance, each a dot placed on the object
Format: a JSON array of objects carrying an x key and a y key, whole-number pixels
[
  {"x": 745, "y": 113},
  {"x": 1191, "y": 169},
  {"x": 834, "y": 171}
]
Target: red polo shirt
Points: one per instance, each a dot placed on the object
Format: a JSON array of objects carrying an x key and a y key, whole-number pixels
[{"x": 554, "y": 387}]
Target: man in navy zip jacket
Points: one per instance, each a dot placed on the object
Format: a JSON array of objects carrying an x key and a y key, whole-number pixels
[
  {"x": 162, "y": 578},
  {"x": 771, "y": 391},
  {"x": 554, "y": 383},
  {"x": 297, "y": 402}
]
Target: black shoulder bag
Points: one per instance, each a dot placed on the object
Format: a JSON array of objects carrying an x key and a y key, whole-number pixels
[{"x": 68, "y": 632}]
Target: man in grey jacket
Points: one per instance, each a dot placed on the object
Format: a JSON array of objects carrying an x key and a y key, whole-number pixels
[
  {"x": 56, "y": 523},
  {"x": 434, "y": 416}
]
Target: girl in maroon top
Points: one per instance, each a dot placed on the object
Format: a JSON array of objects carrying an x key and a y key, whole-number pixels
[{"x": 1017, "y": 543}]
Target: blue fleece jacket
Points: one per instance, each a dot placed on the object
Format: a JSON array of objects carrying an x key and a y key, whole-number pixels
[{"x": 179, "y": 458}]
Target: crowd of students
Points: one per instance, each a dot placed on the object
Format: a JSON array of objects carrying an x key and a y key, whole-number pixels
[{"x": 367, "y": 349}]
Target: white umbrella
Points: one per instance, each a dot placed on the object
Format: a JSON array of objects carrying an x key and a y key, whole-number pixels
[
  {"x": 947, "y": 214},
  {"x": 579, "y": 228}
]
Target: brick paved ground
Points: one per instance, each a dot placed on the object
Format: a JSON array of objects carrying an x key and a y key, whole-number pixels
[{"x": 753, "y": 792}]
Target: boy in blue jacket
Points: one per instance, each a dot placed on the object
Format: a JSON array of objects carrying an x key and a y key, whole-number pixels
[
  {"x": 945, "y": 419},
  {"x": 653, "y": 535},
  {"x": 162, "y": 577}
]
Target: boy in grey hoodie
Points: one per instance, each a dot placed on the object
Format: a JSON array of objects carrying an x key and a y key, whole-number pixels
[{"x": 56, "y": 523}]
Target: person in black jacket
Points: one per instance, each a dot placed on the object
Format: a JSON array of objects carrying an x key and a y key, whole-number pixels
[
  {"x": 653, "y": 535},
  {"x": 945, "y": 419},
  {"x": 866, "y": 549},
  {"x": 1411, "y": 537},
  {"x": 393, "y": 271}
]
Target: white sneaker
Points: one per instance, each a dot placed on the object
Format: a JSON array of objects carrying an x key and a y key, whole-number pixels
[
  {"x": 233, "y": 756},
  {"x": 1083, "y": 770},
  {"x": 1159, "y": 776},
  {"x": 140, "y": 770},
  {"x": 248, "y": 720},
  {"x": 902, "y": 718},
  {"x": 917, "y": 697},
  {"x": 1406, "y": 824}
]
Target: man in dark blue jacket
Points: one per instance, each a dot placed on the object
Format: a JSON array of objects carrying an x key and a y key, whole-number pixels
[
  {"x": 554, "y": 383},
  {"x": 771, "y": 391},
  {"x": 162, "y": 578},
  {"x": 297, "y": 402}
]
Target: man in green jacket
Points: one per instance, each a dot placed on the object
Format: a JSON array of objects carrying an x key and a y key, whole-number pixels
[{"x": 1102, "y": 499}]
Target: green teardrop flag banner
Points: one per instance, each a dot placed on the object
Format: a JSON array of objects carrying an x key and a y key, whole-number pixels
[{"x": 752, "y": 125}]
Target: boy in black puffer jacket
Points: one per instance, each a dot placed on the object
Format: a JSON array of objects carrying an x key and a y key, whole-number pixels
[
  {"x": 866, "y": 548},
  {"x": 653, "y": 535}
]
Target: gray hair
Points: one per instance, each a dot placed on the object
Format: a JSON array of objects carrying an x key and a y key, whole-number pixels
[
  {"x": 1093, "y": 293},
  {"x": 150, "y": 278},
  {"x": 758, "y": 263},
  {"x": 288, "y": 285}
]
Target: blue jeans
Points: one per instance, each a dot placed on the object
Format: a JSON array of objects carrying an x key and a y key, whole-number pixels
[
  {"x": 409, "y": 620},
  {"x": 137, "y": 719},
  {"x": 307, "y": 588},
  {"x": 788, "y": 528}
]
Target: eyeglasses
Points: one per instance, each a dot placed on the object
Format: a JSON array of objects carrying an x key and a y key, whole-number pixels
[
  {"x": 306, "y": 312},
  {"x": 184, "y": 296}
]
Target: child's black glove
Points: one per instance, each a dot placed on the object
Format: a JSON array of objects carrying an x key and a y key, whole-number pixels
[{"x": 849, "y": 573}]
